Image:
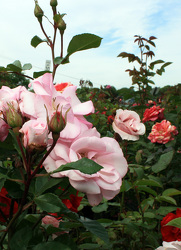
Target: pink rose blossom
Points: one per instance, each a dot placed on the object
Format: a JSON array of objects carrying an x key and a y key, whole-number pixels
[
  {"x": 104, "y": 151},
  {"x": 153, "y": 114},
  {"x": 46, "y": 101},
  {"x": 170, "y": 245},
  {"x": 162, "y": 132},
  {"x": 4, "y": 129},
  {"x": 35, "y": 134},
  {"x": 50, "y": 220},
  {"x": 127, "y": 124}
]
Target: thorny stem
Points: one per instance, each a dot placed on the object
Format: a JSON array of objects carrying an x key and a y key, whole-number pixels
[{"x": 20, "y": 74}]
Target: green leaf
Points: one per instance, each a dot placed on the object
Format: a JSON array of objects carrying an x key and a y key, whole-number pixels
[
  {"x": 84, "y": 165},
  {"x": 149, "y": 215},
  {"x": 21, "y": 238},
  {"x": 15, "y": 66},
  {"x": 166, "y": 64},
  {"x": 58, "y": 60},
  {"x": 167, "y": 199},
  {"x": 171, "y": 192},
  {"x": 100, "y": 208},
  {"x": 89, "y": 246},
  {"x": 36, "y": 40},
  {"x": 163, "y": 210},
  {"x": 147, "y": 189},
  {"x": 40, "y": 73},
  {"x": 83, "y": 42},
  {"x": 163, "y": 162},
  {"x": 51, "y": 246},
  {"x": 175, "y": 223},
  {"x": 147, "y": 182},
  {"x": 27, "y": 66},
  {"x": 49, "y": 202},
  {"x": 44, "y": 183},
  {"x": 96, "y": 228}
]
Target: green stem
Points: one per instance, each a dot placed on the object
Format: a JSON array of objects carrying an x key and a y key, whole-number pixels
[{"x": 23, "y": 200}]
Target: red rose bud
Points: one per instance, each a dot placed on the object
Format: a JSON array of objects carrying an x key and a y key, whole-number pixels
[
  {"x": 13, "y": 117},
  {"x": 38, "y": 11}
]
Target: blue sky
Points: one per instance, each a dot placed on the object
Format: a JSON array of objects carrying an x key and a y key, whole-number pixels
[{"x": 116, "y": 21}]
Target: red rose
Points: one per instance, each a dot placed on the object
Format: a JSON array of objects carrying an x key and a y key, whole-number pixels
[
  {"x": 73, "y": 203},
  {"x": 110, "y": 119},
  {"x": 170, "y": 233},
  {"x": 153, "y": 114},
  {"x": 162, "y": 132},
  {"x": 5, "y": 205}
]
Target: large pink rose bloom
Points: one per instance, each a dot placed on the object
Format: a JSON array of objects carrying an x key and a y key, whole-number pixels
[
  {"x": 127, "y": 124},
  {"x": 47, "y": 100},
  {"x": 104, "y": 151},
  {"x": 162, "y": 132},
  {"x": 35, "y": 134}
]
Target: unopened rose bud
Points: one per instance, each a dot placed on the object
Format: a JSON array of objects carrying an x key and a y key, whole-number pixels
[
  {"x": 53, "y": 3},
  {"x": 57, "y": 123},
  {"x": 13, "y": 117},
  {"x": 38, "y": 12},
  {"x": 61, "y": 25}
]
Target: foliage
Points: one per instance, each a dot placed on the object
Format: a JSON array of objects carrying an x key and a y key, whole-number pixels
[
  {"x": 13, "y": 80},
  {"x": 151, "y": 188},
  {"x": 142, "y": 76}
]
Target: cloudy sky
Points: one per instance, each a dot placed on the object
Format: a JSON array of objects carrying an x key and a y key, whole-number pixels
[{"x": 116, "y": 21}]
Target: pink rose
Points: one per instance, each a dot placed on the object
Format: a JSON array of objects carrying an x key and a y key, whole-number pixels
[
  {"x": 162, "y": 132},
  {"x": 50, "y": 220},
  {"x": 4, "y": 129},
  {"x": 105, "y": 151},
  {"x": 127, "y": 124},
  {"x": 170, "y": 245},
  {"x": 35, "y": 134},
  {"x": 47, "y": 96},
  {"x": 153, "y": 114}
]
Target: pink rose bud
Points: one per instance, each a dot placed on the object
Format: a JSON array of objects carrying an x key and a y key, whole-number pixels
[
  {"x": 35, "y": 135},
  {"x": 57, "y": 122},
  {"x": 13, "y": 117}
]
